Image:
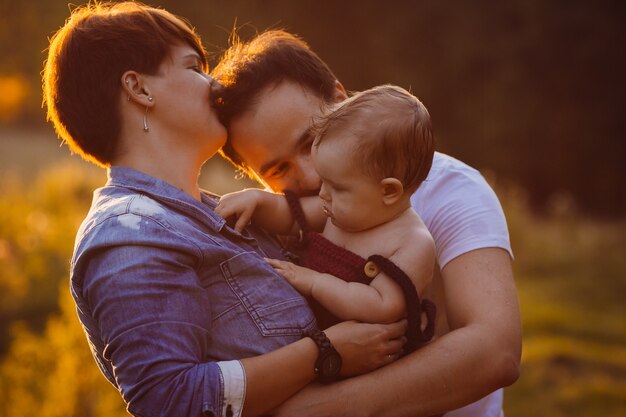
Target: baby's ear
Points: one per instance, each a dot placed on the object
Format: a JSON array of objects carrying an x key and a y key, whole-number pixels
[{"x": 392, "y": 190}]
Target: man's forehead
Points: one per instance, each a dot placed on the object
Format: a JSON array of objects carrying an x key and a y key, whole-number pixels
[
  {"x": 285, "y": 95},
  {"x": 276, "y": 127}
]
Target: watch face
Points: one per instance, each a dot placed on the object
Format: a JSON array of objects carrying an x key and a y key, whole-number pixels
[{"x": 331, "y": 364}]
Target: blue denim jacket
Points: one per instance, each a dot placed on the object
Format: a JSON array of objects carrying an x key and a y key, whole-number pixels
[{"x": 164, "y": 289}]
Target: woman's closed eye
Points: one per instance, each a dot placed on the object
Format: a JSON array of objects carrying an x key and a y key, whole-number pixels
[
  {"x": 196, "y": 64},
  {"x": 198, "y": 69}
]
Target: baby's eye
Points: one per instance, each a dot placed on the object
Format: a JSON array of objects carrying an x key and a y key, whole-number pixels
[{"x": 305, "y": 147}]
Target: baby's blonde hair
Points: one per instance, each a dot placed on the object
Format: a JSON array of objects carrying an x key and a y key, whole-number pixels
[{"x": 392, "y": 132}]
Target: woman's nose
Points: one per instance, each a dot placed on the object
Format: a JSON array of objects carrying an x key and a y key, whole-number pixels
[{"x": 216, "y": 87}]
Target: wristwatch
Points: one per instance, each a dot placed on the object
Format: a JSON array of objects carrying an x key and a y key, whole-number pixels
[{"x": 328, "y": 363}]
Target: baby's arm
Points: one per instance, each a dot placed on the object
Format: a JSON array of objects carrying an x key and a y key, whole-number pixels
[
  {"x": 269, "y": 211},
  {"x": 380, "y": 302},
  {"x": 416, "y": 256}
]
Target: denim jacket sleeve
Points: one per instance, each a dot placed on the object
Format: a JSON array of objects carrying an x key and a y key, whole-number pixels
[{"x": 153, "y": 318}]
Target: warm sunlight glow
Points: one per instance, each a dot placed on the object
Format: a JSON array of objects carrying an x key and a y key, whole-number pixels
[{"x": 13, "y": 93}]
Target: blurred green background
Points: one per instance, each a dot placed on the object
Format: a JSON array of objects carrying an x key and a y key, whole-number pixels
[{"x": 530, "y": 92}]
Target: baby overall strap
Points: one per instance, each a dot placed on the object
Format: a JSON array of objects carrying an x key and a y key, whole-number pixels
[
  {"x": 414, "y": 307},
  {"x": 296, "y": 211},
  {"x": 322, "y": 255}
]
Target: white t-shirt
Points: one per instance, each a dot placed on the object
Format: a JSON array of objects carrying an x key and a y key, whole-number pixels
[{"x": 462, "y": 213}]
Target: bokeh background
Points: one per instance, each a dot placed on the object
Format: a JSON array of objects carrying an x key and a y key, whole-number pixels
[{"x": 531, "y": 92}]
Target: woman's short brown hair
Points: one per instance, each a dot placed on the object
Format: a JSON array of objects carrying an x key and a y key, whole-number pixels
[
  {"x": 86, "y": 60},
  {"x": 391, "y": 130}
]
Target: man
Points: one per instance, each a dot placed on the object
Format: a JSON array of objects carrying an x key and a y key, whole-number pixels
[{"x": 274, "y": 87}]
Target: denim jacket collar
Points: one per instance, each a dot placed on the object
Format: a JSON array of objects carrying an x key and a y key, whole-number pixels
[{"x": 121, "y": 176}]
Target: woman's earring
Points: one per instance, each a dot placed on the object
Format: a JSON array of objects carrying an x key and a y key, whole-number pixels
[{"x": 145, "y": 118}]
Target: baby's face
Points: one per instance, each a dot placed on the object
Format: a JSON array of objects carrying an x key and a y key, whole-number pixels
[{"x": 352, "y": 201}]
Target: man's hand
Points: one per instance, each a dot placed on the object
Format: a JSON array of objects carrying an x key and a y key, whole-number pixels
[{"x": 364, "y": 347}]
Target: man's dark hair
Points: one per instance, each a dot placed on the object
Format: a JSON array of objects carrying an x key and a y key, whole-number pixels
[{"x": 248, "y": 68}]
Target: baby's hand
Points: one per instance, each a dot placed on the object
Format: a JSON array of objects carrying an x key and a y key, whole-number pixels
[
  {"x": 301, "y": 278},
  {"x": 240, "y": 204}
]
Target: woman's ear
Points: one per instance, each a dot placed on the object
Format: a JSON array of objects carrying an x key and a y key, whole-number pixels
[
  {"x": 133, "y": 86},
  {"x": 392, "y": 190}
]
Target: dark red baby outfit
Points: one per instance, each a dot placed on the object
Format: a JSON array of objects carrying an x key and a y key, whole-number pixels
[{"x": 322, "y": 255}]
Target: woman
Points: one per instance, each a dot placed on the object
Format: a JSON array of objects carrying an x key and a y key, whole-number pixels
[{"x": 168, "y": 294}]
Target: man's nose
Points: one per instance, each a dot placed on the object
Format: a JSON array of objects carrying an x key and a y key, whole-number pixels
[{"x": 307, "y": 179}]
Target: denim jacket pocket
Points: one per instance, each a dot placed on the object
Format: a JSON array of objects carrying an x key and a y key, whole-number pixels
[{"x": 275, "y": 307}]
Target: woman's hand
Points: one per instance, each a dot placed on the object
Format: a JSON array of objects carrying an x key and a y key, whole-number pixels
[{"x": 364, "y": 347}]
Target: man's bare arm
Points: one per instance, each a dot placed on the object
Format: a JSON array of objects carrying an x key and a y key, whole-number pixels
[{"x": 479, "y": 355}]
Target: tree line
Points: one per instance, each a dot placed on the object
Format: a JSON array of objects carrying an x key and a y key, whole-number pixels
[{"x": 526, "y": 89}]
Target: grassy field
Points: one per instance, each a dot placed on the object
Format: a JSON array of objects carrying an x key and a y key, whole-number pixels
[
  {"x": 570, "y": 272},
  {"x": 571, "y": 277}
]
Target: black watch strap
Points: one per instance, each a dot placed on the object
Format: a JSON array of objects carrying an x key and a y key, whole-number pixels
[{"x": 328, "y": 363}]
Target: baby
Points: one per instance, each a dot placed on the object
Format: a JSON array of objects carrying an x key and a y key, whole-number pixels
[{"x": 371, "y": 151}]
